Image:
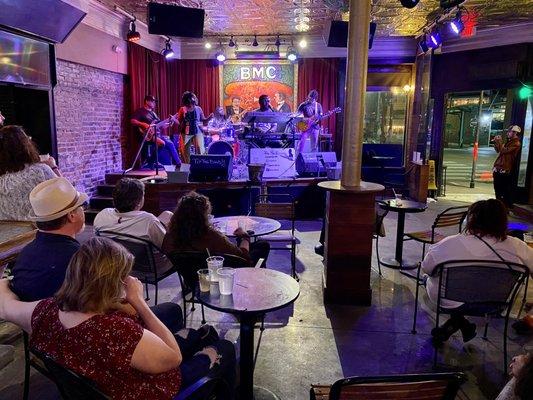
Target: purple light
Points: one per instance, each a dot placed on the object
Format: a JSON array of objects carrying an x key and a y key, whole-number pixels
[
  {"x": 434, "y": 39},
  {"x": 457, "y": 25},
  {"x": 221, "y": 57}
]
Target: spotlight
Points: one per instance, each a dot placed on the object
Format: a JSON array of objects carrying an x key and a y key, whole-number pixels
[
  {"x": 303, "y": 43},
  {"x": 406, "y": 88},
  {"x": 231, "y": 42},
  {"x": 434, "y": 39},
  {"x": 456, "y": 24},
  {"x": 220, "y": 56},
  {"x": 167, "y": 51},
  {"x": 292, "y": 55},
  {"x": 278, "y": 42},
  {"x": 207, "y": 45},
  {"x": 423, "y": 44},
  {"x": 409, "y": 3},
  {"x": 254, "y": 43},
  {"x": 133, "y": 35}
]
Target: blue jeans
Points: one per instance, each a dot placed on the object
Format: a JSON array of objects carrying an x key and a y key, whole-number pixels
[{"x": 168, "y": 152}]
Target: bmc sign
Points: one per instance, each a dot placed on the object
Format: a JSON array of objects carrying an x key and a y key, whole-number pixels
[{"x": 259, "y": 73}]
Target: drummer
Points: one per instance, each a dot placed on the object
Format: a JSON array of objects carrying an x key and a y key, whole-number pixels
[{"x": 217, "y": 126}]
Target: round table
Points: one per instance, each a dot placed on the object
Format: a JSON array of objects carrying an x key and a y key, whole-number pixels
[
  {"x": 256, "y": 291},
  {"x": 407, "y": 206},
  {"x": 255, "y": 226}
]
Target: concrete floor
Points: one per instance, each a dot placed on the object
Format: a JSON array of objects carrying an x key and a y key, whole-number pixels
[{"x": 308, "y": 343}]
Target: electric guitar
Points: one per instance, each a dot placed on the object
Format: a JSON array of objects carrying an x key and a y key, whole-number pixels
[
  {"x": 307, "y": 123},
  {"x": 150, "y": 131}
]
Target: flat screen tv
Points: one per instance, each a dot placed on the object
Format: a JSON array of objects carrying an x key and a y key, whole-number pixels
[
  {"x": 24, "y": 61},
  {"x": 171, "y": 20}
]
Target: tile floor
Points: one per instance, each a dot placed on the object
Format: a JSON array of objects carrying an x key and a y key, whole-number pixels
[{"x": 309, "y": 343}]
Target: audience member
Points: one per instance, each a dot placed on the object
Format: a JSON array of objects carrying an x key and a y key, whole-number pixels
[
  {"x": 520, "y": 387},
  {"x": 484, "y": 238},
  {"x": 21, "y": 170},
  {"x": 190, "y": 230},
  {"x": 58, "y": 213},
  {"x": 99, "y": 325},
  {"x": 127, "y": 217}
]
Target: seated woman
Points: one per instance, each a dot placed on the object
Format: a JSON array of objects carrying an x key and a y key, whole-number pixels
[
  {"x": 99, "y": 325},
  {"x": 21, "y": 169},
  {"x": 520, "y": 387},
  {"x": 484, "y": 238},
  {"x": 190, "y": 230}
]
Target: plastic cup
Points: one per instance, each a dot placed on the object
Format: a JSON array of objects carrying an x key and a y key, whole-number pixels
[
  {"x": 398, "y": 200},
  {"x": 225, "y": 279},
  {"x": 203, "y": 279},
  {"x": 213, "y": 264}
]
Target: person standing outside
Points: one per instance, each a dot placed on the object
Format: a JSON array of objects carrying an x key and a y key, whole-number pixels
[
  {"x": 310, "y": 108},
  {"x": 504, "y": 165}
]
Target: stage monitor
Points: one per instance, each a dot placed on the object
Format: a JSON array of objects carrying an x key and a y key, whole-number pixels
[
  {"x": 316, "y": 163},
  {"x": 51, "y": 20},
  {"x": 171, "y": 20},
  {"x": 336, "y": 34}
]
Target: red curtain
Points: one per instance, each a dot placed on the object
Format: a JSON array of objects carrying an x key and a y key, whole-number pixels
[
  {"x": 321, "y": 74},
  {"x": 150, "y": 73}
]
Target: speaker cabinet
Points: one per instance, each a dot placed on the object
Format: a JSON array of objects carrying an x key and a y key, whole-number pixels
[
  {"x": 171, "y": 20},
  {"x": 315, "y": 164},
  {"x": 336, "y": 34}
]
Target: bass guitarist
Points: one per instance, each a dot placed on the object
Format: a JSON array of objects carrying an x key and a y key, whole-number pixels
[
  {"x": 141, "y": 120},
  {"x": 310, "y": 108}
]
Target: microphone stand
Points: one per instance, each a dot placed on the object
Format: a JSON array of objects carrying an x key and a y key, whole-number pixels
[{"x": 139, "y": 152}]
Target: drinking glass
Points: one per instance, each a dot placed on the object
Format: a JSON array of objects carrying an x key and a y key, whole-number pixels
[
  {"x": 226, "y": 277},
  {"x": 214, "y": 263},
  {"x": 398, "y": 200},
  {"x": 203, "y": 279}
]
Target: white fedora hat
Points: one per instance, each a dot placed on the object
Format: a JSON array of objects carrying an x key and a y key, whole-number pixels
[
  {"x": 54, "y": 198},
  {"x": 515, "y": 128}
]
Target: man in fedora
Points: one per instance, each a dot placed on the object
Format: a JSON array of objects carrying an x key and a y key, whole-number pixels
[
  {"x": 504, "y": 165},
  {"x": 57, "y": 209}
]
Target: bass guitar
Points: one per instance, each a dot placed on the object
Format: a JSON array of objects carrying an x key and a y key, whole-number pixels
[
  {"x": 155, "y": 127},
  {"x": 307, "y": 123}
]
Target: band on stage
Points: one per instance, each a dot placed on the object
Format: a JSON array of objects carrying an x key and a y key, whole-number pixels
[{"x": 173, "y": 140}]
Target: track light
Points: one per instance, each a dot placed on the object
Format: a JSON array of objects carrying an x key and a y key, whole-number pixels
[
  {"x": 456, "y": 24},
  {"x": 434, "y": 39},
  {"x": 255, "y": 43},
  {"x": 220, "y": 56},
  {"x": 423, "y": 44},
  {"x": 207, "y": 45},
  {"x": 133, "y": 35},
  {"x": 409, "y": 3},
  {"x": 231, "y": 42},
  {"x": 303, "y": 43},
  {"x": 167, "y": 52},
  {"x": 292, "y": 55}
]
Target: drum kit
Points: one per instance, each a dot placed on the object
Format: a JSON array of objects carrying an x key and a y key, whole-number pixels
[{"x": 228, "y": 142}]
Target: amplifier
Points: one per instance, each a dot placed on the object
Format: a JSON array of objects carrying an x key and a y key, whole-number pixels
[
  {"x": 315, "y": 164},
  {"x": 210, "y": 167}
]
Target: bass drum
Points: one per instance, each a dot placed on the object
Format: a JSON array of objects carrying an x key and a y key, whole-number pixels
[{"x": 221, "y": 148}]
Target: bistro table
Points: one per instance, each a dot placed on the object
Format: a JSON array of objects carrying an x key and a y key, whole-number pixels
[
  {"x": 256, "y": 291},
  {"x": 14, "y": 235},
  {"x": 255, "y": 226},
  {"x": 406, "y": 206}
]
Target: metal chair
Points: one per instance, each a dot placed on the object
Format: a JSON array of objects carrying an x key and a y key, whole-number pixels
[
  {"x": 441, "y": 386},
  {"x": 151, "y": 265},
  {"x": 453, "y": 216},
  {"x": 460, "y": 281},
  {"x": 379, "y": 231},
  {"x": 282, "y": 208}
]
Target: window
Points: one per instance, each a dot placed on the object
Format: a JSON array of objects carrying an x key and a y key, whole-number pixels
[{"x": 385, "y": 117}]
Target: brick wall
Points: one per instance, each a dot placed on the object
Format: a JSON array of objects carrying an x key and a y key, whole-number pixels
[{"x": 89, "y": 107}]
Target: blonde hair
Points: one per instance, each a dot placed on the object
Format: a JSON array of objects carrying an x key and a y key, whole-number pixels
[{"x": 94, "y": 280}]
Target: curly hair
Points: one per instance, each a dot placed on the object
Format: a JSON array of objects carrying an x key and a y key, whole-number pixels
[
  {"x": 190, "y": 220},
  {"x": 524, "y": 380},
  {"x": 189, "y": 99},
  {"x": 16, "y": 150},
  {"x": 487, "y": 218}
]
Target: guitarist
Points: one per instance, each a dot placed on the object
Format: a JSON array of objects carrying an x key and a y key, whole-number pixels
[
  {"x": 310, "y": 108},
  {"x": 141, "y": 121}
]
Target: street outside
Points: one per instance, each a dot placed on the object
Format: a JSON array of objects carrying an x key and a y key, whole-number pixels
[{"x": 459, "y": 168}]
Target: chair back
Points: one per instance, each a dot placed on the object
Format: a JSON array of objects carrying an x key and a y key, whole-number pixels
[
  {"x": 71, "y": 385},
  {"x": 453, "y": 216},
  {"x": 379, "y": 227},
  {"x": 481, "y": 282},
  {"x": 233, "y": 261},
  {"x": 440, "y": 386},
  {"x": 187, "y": 263},
  {"x": 276, "y": 206}
]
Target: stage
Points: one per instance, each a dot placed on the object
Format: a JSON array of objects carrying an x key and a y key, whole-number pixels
[{"x": 233, "y": 197}]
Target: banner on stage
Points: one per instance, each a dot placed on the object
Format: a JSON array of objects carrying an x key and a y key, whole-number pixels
[
  {"x": 279, "y": 163},
  {"x": 243, "y": 81}
]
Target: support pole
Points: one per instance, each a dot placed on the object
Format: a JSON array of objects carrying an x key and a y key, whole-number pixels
[{"x": 354, "y": 107}]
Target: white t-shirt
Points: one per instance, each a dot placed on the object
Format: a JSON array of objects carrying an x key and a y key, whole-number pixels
[
  {"x": 469, "y": 247},
  {"x": 140, "y": 224}
]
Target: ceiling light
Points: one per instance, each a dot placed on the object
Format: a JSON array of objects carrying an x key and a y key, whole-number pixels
[
  {"x": 207, "y": 45},
  {"x": 302, "y": 27},
  {"x": 423, "y": 44},
  {"x": 303, "y": 43},
  {"x": 456, "y": 24},
  {"x": 133, "y": 35},
  {"x": 409, "y": 3},
  {"x": 220, "y": 56},
  {"x": 292, "y": 55},
  {"x": 167, "y": 51},
  {"x": 406, "y": 88},
  {"x": 434, "y": 39},
  {"x": 231, "y": 42},
  {"x": 255, "y": 43}
]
